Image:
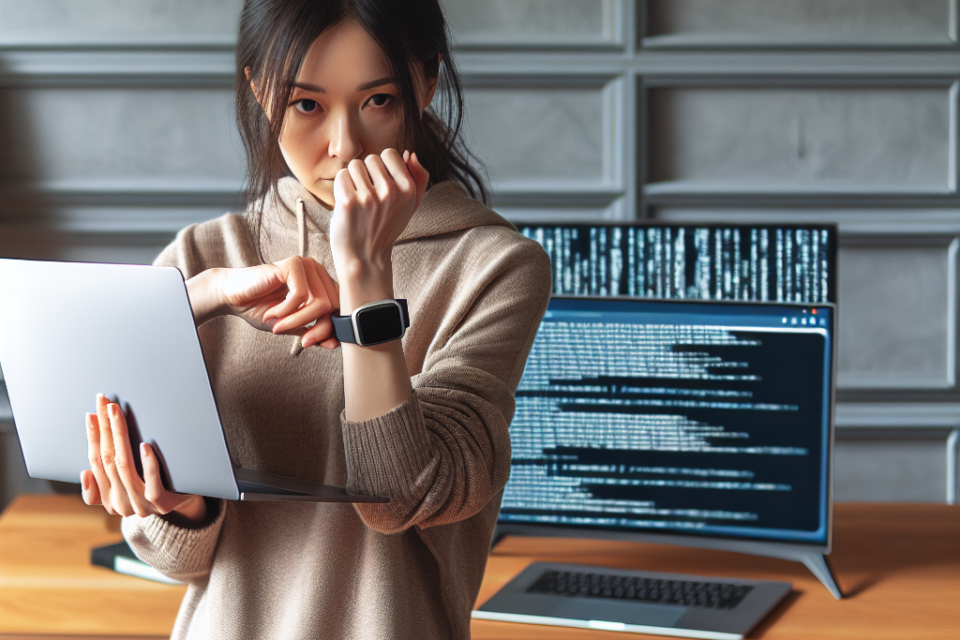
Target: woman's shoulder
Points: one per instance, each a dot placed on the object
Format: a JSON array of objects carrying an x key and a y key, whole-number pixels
[
  {"x": 225, "y": 241},
  {"x": 447, "y": 210},
  {"x": 471, "y": 241}
]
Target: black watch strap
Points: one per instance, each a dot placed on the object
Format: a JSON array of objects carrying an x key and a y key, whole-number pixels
[{"x": 343, "y": 325}]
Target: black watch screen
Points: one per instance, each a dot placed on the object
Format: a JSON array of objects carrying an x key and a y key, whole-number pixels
[{"x": 379, "y": 324}]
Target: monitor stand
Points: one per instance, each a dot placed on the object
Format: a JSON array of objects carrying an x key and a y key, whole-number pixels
[
  {"x": 815, "y": 559},
  {"x": 820, "y": 566}
]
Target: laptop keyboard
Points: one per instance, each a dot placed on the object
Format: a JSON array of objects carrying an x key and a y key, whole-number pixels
[{"x": 714, "y": 595}]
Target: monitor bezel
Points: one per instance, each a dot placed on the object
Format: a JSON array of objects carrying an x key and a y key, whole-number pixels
[{"x": 753, "y": 545}]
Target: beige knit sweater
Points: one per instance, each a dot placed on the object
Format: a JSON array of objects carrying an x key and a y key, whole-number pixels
[{"x": 410, "y": 568}]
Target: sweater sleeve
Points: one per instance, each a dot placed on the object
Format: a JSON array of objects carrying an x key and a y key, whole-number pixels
[
  {"x": 182, "y": 553},
  {"x": 442, "y": 455}
]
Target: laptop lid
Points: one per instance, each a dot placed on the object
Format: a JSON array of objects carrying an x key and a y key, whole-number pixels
[{"x": 69, "y": 331}]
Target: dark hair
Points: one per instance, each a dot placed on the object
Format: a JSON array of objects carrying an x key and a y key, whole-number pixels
[{"x": 274, "y": 38}]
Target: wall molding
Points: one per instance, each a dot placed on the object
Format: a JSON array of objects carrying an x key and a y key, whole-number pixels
[
  {"x": 888, "y": 219},
  {"x": 898, "y": 416},
  {"x": 100, "y": 42},
  {"x": 740, "y": 41},
  {"x": 123, "y": 68},
  {"x": 134, "y": 66}
]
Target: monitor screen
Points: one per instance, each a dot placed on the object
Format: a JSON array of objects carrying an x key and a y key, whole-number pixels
[
  {"x": 675, "y": 417},
  {"x": 770, "y": 263}
]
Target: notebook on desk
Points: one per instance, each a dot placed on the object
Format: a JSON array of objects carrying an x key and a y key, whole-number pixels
[{"x": 69, "y": 331}]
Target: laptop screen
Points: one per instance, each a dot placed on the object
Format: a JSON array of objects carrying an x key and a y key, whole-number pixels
[{"x": 675, "y": 417}]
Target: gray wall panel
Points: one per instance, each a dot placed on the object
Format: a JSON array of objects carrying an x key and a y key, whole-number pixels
[
  {"x": 897, "y": 315},
  {"x": 810, "y": 22},
  {"x": 532, "y": 23},
  {"x": 890, "y": 468},
  {"x": 815, "y": 139},
  {"x": 102, "y": 135},
  {"x": 56, "y": 21},
  {"x": 542, "y": 134}
]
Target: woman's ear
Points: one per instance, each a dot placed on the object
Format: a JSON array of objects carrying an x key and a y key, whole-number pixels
[
  {"x": 253, "y": 85},
  {"x": 429, "y": 85}
]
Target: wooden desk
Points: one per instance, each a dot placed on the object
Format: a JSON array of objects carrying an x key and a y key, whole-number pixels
[{"x": 901, "y": 564}]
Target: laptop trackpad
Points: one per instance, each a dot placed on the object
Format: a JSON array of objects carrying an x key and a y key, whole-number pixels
[{"x": 654, "y": 615}]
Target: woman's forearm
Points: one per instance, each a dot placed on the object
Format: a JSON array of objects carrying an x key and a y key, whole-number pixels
[{"x": 375, "y": 378}]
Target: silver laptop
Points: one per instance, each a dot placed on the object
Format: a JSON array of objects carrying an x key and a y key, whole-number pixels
[{"x": 57, "y": 322}]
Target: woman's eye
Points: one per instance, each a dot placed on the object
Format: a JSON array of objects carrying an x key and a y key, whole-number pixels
[
  {"x": 380, "y": 99},
  {"x": 306, "y": 105}
]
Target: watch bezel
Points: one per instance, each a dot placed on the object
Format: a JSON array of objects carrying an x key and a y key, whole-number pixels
[{"x": 355, "y": 316}]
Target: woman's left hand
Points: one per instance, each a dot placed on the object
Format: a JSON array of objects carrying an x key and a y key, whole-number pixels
[{"x": 374, "y": 200}]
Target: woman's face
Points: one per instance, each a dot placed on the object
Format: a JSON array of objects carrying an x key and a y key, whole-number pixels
[{"x": 345, "y": 105}]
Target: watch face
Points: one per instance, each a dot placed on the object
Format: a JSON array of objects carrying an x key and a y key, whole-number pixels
[{"x": 379, "y": 324}]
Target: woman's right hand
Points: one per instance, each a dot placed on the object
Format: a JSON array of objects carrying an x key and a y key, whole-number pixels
[
  {"x": 112, "y": 479},
  {"x": 284, "y": 298}
]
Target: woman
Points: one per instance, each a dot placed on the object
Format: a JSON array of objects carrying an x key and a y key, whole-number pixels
[{"x": 332, "y": 91}]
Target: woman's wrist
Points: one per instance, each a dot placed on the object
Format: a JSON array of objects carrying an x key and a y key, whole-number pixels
[
  {"x": 206, "y": 296},
  {"x": 362, "y": 283},
  {"x": 190, "y": 514}
]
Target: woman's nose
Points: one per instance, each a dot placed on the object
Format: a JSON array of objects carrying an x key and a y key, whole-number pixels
[{"x": 344, "y": 138}]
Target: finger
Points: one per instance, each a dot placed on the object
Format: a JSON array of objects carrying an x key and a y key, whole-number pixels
[
  {"x": 153, "y": 489},
  {"x": 118, "y": 497},
  {"x": 420, "y": 175},
  {"x": 89, "y": 489},
  {"x": 397, "y": 166},
  {"x": 361, "y": 180},
  {"x": 320, "y": 333},
  {"x": 161, "y": 501},
  {"x": 383, "y": 183},
  {"x": 406, "y": 156},
  {"x": 106, "y": 436},
  {"x": 98, "y": 475},
  {"x": 124, "y": 461},
  {"x": 299, "y": 293},
  {"x": 331, "y": 287},
  {"x": 343, "y": 187},
  {"x": 329, "y": 343},
  {"x": 318, "y": 302},
  {"x": 111, "y": 491}
]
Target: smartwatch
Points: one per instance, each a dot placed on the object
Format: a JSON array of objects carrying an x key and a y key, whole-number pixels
[{"x": 373, "y": 323}]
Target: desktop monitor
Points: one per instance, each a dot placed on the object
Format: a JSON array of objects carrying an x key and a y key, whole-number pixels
[
  {"x": 763, "y": 263},
  {"x": 707, "y": 424}
]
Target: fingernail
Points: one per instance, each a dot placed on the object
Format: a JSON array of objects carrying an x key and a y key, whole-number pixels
[
  {"x": 83, "y": 480},
  {"x": 143, "y": 449},
  {"x": 112, "y": 410}
]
